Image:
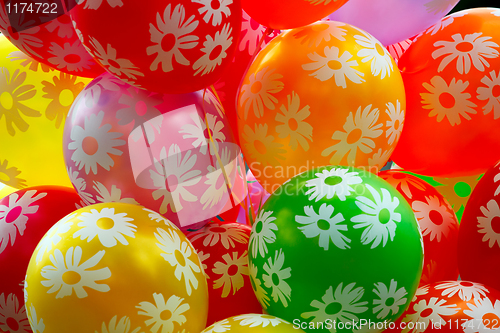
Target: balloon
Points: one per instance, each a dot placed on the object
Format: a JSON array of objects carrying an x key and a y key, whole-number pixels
[
  {"x": 451, "y": 307},
  {"x": 319, "y": 95},
  {"x": 47, "y": 37},
  {"x": 437, "y": 222},
  {"x": 227, "y": 86},
  {"x": 392, "y": 21},
  {"x": 166, "y": 47},
  {"x": 223, "y": 251},
  {"x": 398, "y": 49},
  {"x": 451, "y": 79},
  {"x": 115, "y": 265},
  {"x": 126, "y": 144},
  {"x": 252, "y": 322},
  {"x": 277, "y": 14},
  {"x": 5, "y": 190},
  {"x": 479, "y": 234},
  {"x": 34, "y": 102},
  {"x": 25, "y": 216},
  {"x": 333, "y": 238}
]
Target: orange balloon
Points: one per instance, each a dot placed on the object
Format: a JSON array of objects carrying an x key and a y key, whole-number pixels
[
  {"x": 452, "y": 79},
  {"x": 327, "y": 93},
  {"x": 279, "y": 14}
]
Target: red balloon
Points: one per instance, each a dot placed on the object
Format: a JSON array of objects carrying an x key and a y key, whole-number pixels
[
  {"x": 25, "y": 217},
  {"x": 451, "y": 307},
  {"x": 479, "y": 235},
  {"x": 169, "y": 46},
  {"x": 223, "y": 249},
  {"x": 279, "y": 14},
  {"x": 451, "y": 77},
  {"x": 51, "y": 41},
  {"x": 227, "y": 86},
  {"x": 437, "y": 221}
]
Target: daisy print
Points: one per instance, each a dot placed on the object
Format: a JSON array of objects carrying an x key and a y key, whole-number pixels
[
  {"x": 108, "y": 58},
  {"x": 326, "y": 224},
  {"x": 490, "y": 93},
  {"x": 95, "y": 4},
  {"x": 173, "y": 176},
  {"x": 259, "y": 93},
  {"x": 334, "y": 65},
  {"x": 230, "y": 271},
  {"x": 380, "y": 158},
  {"x": 292, "y": 124},
  {"x": 172, "y": 34},
  {"x": 448, "y": 100},
  {"x": 154, "y": 216},
  {"x": 218, "y": 327},
  {"x": 198, "y": 132},
  {"x": 360, "y": 130},
  {"x": 94, "y": 143},
  {"x": 488, "y": 224},
  {"x": 262, "y": 320},
  {"x": 390, "y": 299},
  {"x": 214, "y": 233},
  {"x": 403, "y": 182},
  {"x": 261, "y": 146},
  {"x": 471, "y": 49},
  {"x": 338, "y": 182},
  {"x": 319, "y": 2},
  {"x": 214, "y": 49},
  {"x": 114, "y": 194},
  {"x": 275, "y": 276},
  {"x": 25, "y": 32},
  {"x": 395, "y": 124},
  {"x": 156, "y": 312},
  {"x": 118, "y": 326},
  {"x": 375, "y": 53},
  {"x": 379, "y": 218},
  {"x": 214, "y": 11},
  {"x": 67, "y": 274},
  {"x": 204, "y": 256},
  {"x": 319, "y": 32},
  {"x": 53, "y": 236},
  {"x": 483, "y": 312},
  {"x": 68, "y": 57},
  {"x": 251, "y": 33},
  {"x": 343, "y": 304},
  {"x": 109, "y": 227},
  {"x": 465, "y": 290},
  {"x": 15, "y": 215},
  {"x": 13, "y": 316},
  {"x": 9, "y": 175},
  {"x": 37, "y": 325},
  {"x": 434, "y": 219},
  {"x": 92, "y": 92},
  {"x": 178, "y": 253},
  {"x": 80, "y": 186},
  {"x": 429, "y": 312},
  {"x": 259, "y": 291},
  {"x": 216, "y": 180},
  {"x": 263, "y": 233}
]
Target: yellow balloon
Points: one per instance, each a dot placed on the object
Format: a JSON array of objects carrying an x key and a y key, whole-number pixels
[
  {"x": 115, "y": 267},
  {"x": 34, "y": 102},
  {"x": 253, "y": 323}
]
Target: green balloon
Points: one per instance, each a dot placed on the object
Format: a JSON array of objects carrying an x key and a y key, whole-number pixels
[{"x": 335, "y": 247}]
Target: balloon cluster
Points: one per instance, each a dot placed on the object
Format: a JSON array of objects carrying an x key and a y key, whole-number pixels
[{"x": 216, "y": 165}]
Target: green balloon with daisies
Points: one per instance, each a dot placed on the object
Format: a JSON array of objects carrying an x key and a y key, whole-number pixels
[{"x": 336, "y": 249}]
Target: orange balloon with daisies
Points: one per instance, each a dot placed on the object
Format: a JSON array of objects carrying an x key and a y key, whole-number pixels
[
  {"x": 452, "y": 79},
  {"x": 326, "y": 93}
]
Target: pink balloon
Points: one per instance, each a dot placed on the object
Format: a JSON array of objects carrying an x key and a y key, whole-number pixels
[
  {"x": 126, "y": 144},
  {"x": 392, "y": 21}
]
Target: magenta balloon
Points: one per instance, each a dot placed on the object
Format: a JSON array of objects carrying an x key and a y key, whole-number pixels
[
  {"x": 392, "y": 21},
  {"x": 126, "y": 144}
]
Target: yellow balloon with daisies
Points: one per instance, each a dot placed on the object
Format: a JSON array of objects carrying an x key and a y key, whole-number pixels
[
  {"x": 327, "y": 93},
  {"x": 253, "y": 323},
  {"x": 115, "y": 267},
  {"x": 34, "y": 102}
]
